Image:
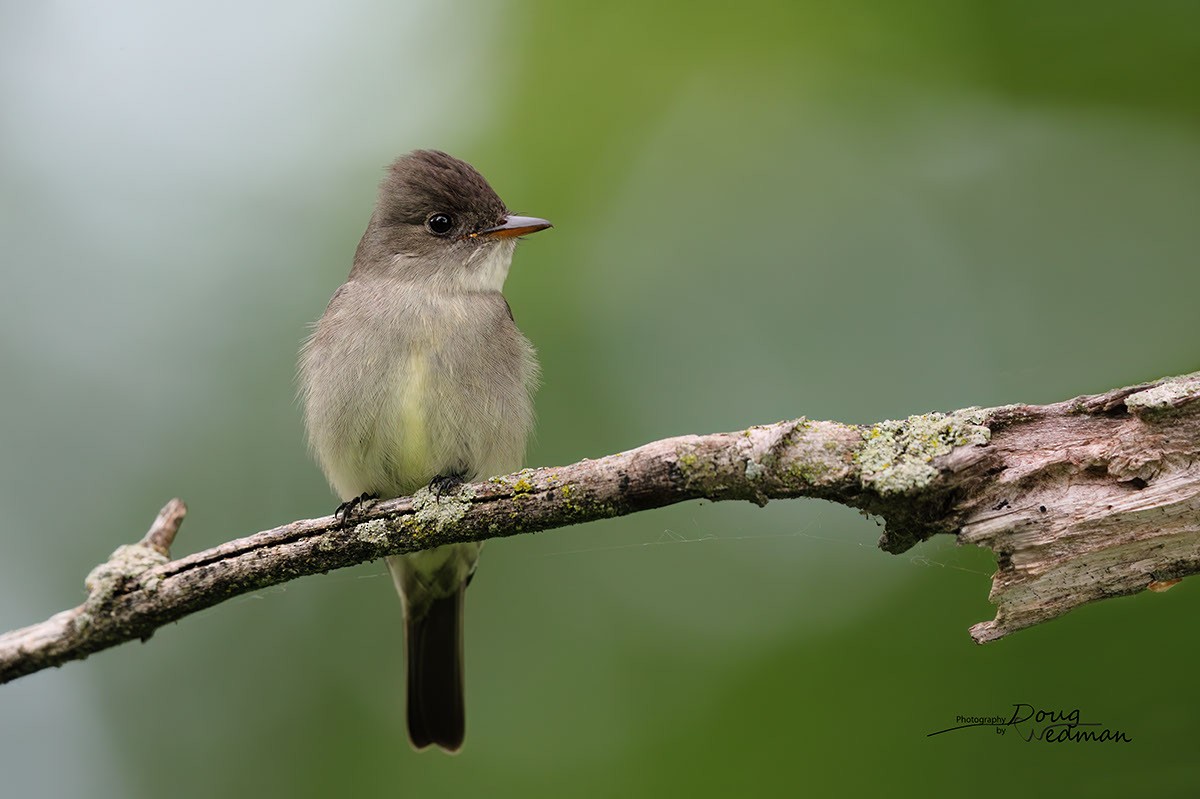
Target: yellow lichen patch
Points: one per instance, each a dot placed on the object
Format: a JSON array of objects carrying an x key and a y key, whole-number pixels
[{"x": 896, "y": 456}]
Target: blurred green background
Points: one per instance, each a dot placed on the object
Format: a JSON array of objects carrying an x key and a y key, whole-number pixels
[{"x": 853, "y": 211}]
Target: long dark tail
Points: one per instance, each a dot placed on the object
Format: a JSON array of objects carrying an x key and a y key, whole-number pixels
[{"x": 435, "y": 673}]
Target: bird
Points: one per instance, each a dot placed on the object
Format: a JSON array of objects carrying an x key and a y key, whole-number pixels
[{"x": 415, "y": 376}]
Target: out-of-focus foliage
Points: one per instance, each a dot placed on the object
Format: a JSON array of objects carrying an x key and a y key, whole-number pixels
[{"x": 854, "y": 211}]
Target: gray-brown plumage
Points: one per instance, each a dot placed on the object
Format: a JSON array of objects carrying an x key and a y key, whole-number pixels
[{"x": 417, "y": 371}]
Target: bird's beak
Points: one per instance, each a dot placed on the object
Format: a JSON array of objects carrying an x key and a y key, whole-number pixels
[{"x": 513, "y": 226}]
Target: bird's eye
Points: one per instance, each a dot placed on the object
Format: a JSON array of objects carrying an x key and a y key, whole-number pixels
[{"x": 439, "y": 224}]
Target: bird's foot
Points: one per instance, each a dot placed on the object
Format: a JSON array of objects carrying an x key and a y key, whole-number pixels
[
  {"x": 352, "y": 506},
  {"x": 445, "y": 484}
]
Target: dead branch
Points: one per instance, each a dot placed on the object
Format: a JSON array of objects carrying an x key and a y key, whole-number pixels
[{"x": 1081, "y": 500}]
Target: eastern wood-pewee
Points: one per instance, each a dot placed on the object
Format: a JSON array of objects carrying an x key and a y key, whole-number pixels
[{"x": 417, "y": 374}]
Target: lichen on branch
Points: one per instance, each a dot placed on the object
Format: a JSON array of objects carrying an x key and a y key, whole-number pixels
[{"x": 1093, "y": 497}]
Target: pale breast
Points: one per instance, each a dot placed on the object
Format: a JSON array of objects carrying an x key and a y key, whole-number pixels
[{"x": 400, "y": 386}]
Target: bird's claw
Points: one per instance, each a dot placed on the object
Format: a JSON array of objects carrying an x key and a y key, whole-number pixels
[
  {"x": 351, "y": 506},
  {"x": 444, "y": 484}
]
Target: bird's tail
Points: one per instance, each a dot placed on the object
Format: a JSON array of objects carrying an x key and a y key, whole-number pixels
[{"x": 435, "y": 672}]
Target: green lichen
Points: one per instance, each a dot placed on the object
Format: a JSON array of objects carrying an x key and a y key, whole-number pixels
[
  {"x": 575, "y": 505},
  {"x": 809, "y": 472},
  {"x": 896, "y": 456},
  {"x": 521, "y": 483},
  {"x": 433, "y": 513},
  {"x": 374, "y": 532},
  {"x": 128, "y": 562},
  {"x": 812, "y": 454},
  {"x": 754, "y": 470},
  {"x": 1167, "y": 395},
  {"x": 695, "y": 468},
  {"x": 570, "y": 500}
]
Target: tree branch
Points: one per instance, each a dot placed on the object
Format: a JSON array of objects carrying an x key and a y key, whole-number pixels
[{"x": 1081, "y": 500}]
